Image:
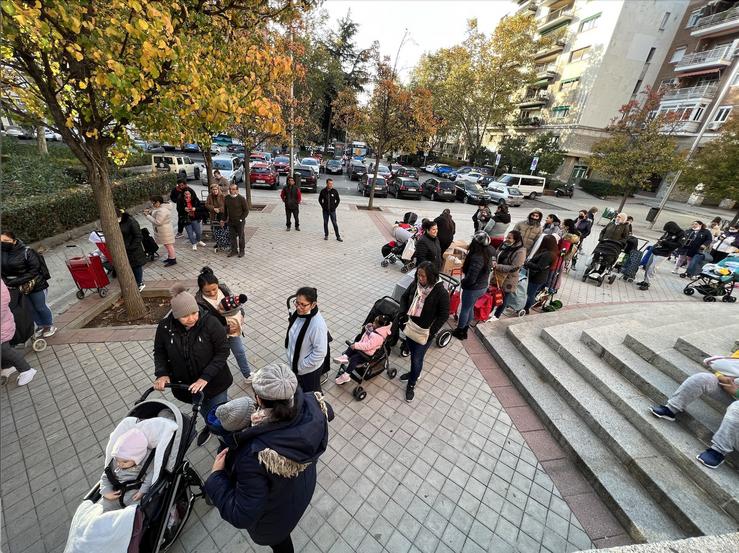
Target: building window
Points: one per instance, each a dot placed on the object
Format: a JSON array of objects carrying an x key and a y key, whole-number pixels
[
  {"x": 579, "y": 172},
  {"x": 736, "y": 80},
  {"x": 560, "y": 112},
  {"x": 637, "y": 87},
  {"x": 694, "y": 17},
  {"x": 678, "y": 54},
  {"x": 665, "y": 19},
  {"x": 652, "y": 50},
  {"x": 589, "y": 23},
  {"x": 722, "y": 114},
  {"x": 569, "y": 84},
  {"x": 580, "y": 54},
  {"x": 698, "y": 112}
]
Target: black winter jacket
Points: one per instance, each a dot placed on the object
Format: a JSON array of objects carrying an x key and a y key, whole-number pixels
[
  {"x": 435, "y": 310},
  {"x": 428, "y": 249},
  {"x": 584, "y": 226},
  {"x": 329, "y": 199},
  {"x": 447, "y": 227},
  {"x": 476, "y": 272},
  {"x": 269, "y": 478},
  {"x": 538, "y": 266},
  {"x": 21, "y": 264},
  {"x": 696, "y": 240},
  {"x": 131, "y": 232},
  {"x": 185, "y": 356},
  {"x": 669, "y": 241}
]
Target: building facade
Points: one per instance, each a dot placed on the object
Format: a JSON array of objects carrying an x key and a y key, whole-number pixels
[{"x": 604, "y": 53}]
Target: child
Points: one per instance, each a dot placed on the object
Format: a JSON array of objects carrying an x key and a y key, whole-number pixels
[
  {"x": 129, "y": 451},
  {"x": 374, "y": 336},
  {"x": 229, "y": 418}
]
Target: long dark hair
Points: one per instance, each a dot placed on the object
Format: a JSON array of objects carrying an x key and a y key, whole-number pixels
[
  {"x": 477, "y": 248},
  {"x": 432, "y": 273},
  {"x": 549, "y": 244},
  {"x": 206, "y": 277},
  {"x": 282, "y": 409}
]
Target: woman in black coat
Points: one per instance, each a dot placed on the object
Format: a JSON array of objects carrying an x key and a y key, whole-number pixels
[
  {"x": 698, "y": 239},
  {"x": 538, "y": 268},
  {"x": 476, "y": 270},
  {"x": 428, "y": 247},
  {"x": 131, "y": 232},
  {"x": 667, "y": 244},
  {"x": 447, "y": 227}
]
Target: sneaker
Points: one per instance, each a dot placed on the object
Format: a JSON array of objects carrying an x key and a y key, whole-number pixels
[
  {"x": 339, "y": 239},
  {"x": 203, "y": 436},
  {"x": 231, "y": 254},
  {"x": 343, "y": 378},
  {"x": 247, "y": 379},
  {"x": 179, "y": 235},
  {"x": 405, "y": 376},
  {"x": 49, "y": 332},
  {"x": 325, "y": 237},
  {"x": 241, "y": 254},
  {"x": 194, "y": 247},
  {"x": 170, "y": 262},
  {"x": 201, "y": 244},
  {"x": 491, "y": 318},
  {"x": 141, "y": 287},
  {"x": 296, "y": 228},
  {"x": 644, "y": 286},
  {"x": 409, "y": 394},
  {"x": 288, "y": 229},
  {"x": 7, "y": 373},
  {"x": 710, "y": 457},
  {"x": 663, "y": 412},
  {"x": 26, "y": 376},
  {"x": 341, "y": 359}
]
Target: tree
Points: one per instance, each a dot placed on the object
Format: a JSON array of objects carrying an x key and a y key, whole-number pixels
[
  {"x": 93, "y": 68},
  {"x": 517, "y": 152},
  {"x": 639, "y": 147}
]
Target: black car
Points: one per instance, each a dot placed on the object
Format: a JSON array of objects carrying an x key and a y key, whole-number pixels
[
  {"x": 405, "y": 187},
  {"x": 356, "y": 169},
  {"x": 306, "y": 178},
  {"x": 381, "y": 188},
  {"x": 410, "y": 172},
  {"x": 235, "y": 148},
  {"x": 440, "y": 189},
  {"x": 471, "y": 193},
  {"x": 333, "y": 167}
]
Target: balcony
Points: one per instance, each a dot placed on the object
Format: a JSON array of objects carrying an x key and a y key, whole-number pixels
[
  {"x": 527, "y": 5},
  {"x": 718, "y": 57},
  {"x": 681, "y": 127},
  {"x": 536, "y": 100},
  {"x": 556, "y": 18},
  {"x": 557, "y": 46},
  {"x": 528, "y": 122},
  {"x": 702, "y": 92},
  {"x": 546, "y": 72},
  {"x": 718, "y": 24}
]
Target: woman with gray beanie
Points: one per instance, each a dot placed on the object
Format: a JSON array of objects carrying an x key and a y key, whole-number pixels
[{"x": 265, "y": 483}]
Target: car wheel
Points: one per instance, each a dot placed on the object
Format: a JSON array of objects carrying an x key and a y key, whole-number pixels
[
  {"x": 197, "y": 174},
  {"x": 533, "y": 195}
]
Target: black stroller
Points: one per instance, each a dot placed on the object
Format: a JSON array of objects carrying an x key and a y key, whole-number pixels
[
  {"x": 601, "y": 266},
  {"x": 150, "y": 246},
  {"x": 166, "y": 507}
]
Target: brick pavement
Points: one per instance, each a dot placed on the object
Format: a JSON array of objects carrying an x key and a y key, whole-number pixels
[{"x": 451, "y": 472}]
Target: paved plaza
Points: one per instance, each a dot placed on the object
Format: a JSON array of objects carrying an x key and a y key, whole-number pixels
[{"x": 449, "y": 472}]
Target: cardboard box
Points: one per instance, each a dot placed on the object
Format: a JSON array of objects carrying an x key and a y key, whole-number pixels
[{"x": 452, "y": 265}]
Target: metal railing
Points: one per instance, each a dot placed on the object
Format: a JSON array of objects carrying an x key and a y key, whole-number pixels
[
  {"x": 709, "y": 56},
  {"x": 702, "y": 91},
  {"x": 541, "y": 96},
  {"x": 564, "y": 10},
  {"x": 716, "y": 18}
]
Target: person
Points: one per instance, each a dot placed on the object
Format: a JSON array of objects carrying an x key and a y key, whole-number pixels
[
  {"x": 329, "y": 201},
  {"x": 214, "y": 203},
  {"x": 570, "y": 241},
  {"x": 427, "y": 246},
  {"x": 292, "y": 198},
  {"x": 23, "y": 268},
  {"x": 481, "y": 217},
  {"x": 630, "y": 222},
  {"x": 235, "y": 210},
  {"x": 220, "y": 181},
  {"x": 591, "y": 213},
  {"x": 306, "y": 340},
  {"x": 188, "y": 207},
  {"x": 160, "y": 216},
  {"x": 374, "y": 336},
  {"x": 538, "y": 268},
  {"x": 131, "y": 232},
  {"x": 129, "y": 452},
  {"x": 12, "y": 359},
  {"x": 211, "y": 295},
  {"x": 175, "y": 196},
  {"x": 446, "y": 229},
  {"x": 726, "y": 243},
  {"x": 617, "y": 230},
  {"x": 529, "y": 230},
  {"x": 583, "y": 224},
  {"x": 715, "y": 227},
  {"x": 668, "y": 242},
  {"x": 497, "y": 225},
  {"x": 191, "y": 347},
  {"x": 476, "y": 270},
  {"x": 698, "y": 239},
  {"x": 511, "y": 257},
  {"x": 552, "y": 226},
  {"x": 424, "y": 306},
  {"x": 265, "y": 483}
]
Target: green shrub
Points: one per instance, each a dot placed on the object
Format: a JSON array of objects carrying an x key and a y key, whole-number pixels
[
  {"x": 599, "y": 189},
  {"x": 38, "y": 217}
]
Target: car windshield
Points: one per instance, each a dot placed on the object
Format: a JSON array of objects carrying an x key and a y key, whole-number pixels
[
  {"x": 383, "y": 169},
  {"x": 282, "y": 159},
  {"x": 513, "y": 191},
  {"x": 408, "y": 182},
  {"x": 473, "y": 187},
  {"x": 309, "y": 161},
  {"x": 443, "y": 168},
  {"x": 260, "y": 169},
  {"x": 334, "y": 162},
  {"x": 379, "y": 181},
  {"x": 223, "y": 164},
  {"x": 446, "y": 185},
  {"x": 508, "y": 179},
  {"x": 411, "y": 171},
  {"x": 304, "y": 172}
]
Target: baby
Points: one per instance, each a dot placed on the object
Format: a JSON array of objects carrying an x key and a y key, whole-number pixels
[
  {"x": 231, "y": 417},
  {"x": 129, "y": 452},
  {"x": 374, "y": 336}
]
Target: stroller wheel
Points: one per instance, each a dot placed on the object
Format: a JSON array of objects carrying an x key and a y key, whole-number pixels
[
  {"x": 556, "y": 304},
  {"x": 102, "y": 292},
  {"x": 80, "y": 294},
  {"x": 392, "y": 373},
  {"x": 585, "y": 276},
  {"x": 521, "y": 313},
  {"x": 611, "y": 279},
  {"x": 688, "y": 291},
  {"x": 600, "y": 281},
  {"x": 384, "y": 263},
  {"x": 683, "y": 275},
  {"x": 443, "y": 339},
  {"x": 404, "y": 269},
  {"x": 709, "y": 299},
  {"x": 731, "y": 299},
  {"x": 359, "y": 393},
  {"x": 39, "y": 344}
]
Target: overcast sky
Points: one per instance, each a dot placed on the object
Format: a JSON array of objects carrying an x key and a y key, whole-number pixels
[{"x": 432, "y": 24}]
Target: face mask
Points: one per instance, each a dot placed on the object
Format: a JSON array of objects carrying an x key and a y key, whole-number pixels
[{"x": 7, "y": 246}]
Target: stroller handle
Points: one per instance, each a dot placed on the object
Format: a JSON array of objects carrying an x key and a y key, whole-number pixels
[{"x": 197, "y": 400}]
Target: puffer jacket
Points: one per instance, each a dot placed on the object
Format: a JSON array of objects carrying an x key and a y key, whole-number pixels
[
  {"x": 187, "y": 355},
  {"x": 476, "y": 272},
  {"x": 21, "y": 264},
  {"x": 428, "y": 249},
  {"x": 508, "y": 266},
  {"x": 131, "y": 232},
  {"x": 696, "y": 240},
  {"x": 372, "y": 340},
  {"x": 617, "y": 232},
  {"x": 269, "y": 478},
  {"x": 669, "y": 241}
]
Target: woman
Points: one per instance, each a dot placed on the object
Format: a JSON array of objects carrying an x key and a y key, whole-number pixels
[
  {"x": 552, "y": 226},
  {"x": 131, "y": 232},
  {"x": 266, "y": 483},
  {"x": 446, "y": 229},
  {"x": 497, "y": 225},
  {"x": 664, "y": 247},
  {"x": 190, "y": 347},
  {"x": 476, "y": 270},
  {"x": 24, "y": 269},
  {"x": 570, "y": 241},
  {"x": 726, "y": 244},
  {"x": 188, "y": 210},
  {"x": 538, "y": 268},
  {"x": 306, "y": 341},
  {"x": 424, "y": 307},
  {"x": 481, "y": 217},
  {"x": 510, "y": 259},
  {"x": 210, "y": 294},
  {"x": 214, "y": 204},
  {"x": 698, "y": 239},
  {"x": 160, "y": 216},
  {"x": 428, "y": 247},
  {"x": 12, "y": 359}
]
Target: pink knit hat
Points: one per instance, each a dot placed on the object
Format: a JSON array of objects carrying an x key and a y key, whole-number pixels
[{"x": 132, "y": 445}]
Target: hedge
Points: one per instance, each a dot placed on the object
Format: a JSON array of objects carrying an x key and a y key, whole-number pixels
[
  {"x": 599, "y": 189},
  {"x": 53, "y": 213}
]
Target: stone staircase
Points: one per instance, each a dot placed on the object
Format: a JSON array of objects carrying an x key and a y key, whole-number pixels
[{"x": 592, "y": 373}]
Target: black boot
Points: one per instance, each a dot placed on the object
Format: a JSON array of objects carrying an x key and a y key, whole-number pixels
[
  {"x": 460, "y": 333},
  {"x": 409, "y": 393}
]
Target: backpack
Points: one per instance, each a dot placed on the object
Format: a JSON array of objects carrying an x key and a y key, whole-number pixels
[{"x": 42, "y": 262}]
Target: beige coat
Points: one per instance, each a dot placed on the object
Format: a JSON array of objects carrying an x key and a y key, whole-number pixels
[
  {"x": 161, "y": 218},
  {"x": 507, "y": 269},
  {"x": 529, "y": 233}
]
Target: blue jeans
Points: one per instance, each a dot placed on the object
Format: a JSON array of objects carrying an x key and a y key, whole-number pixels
[
  {"x": 194, "y": 232},
  {"x": 531, "y": 291},
  {"x": 138, "y": 273},
  {"x": 418, "y": 352},
  {"x": 209, "y": 403},
  {"x": 41, "y": 312},
  {"x": 506, "y": 297},
  {"x": 469, "y": 297},
  {"x": 239, "y": 350}
]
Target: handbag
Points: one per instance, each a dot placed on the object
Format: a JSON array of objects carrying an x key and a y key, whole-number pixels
[
  {"x": 29, "y": 286},
  {"x": 409, "y": 250},
  {"x": 416, "y": 333},
  {"x": 488, "y": 301}
]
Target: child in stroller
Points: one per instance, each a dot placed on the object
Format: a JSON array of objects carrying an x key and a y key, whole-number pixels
[
  {"x": 364, "y": 348},
  {"x": 403, "y": 232},
  {"x": 127, "y": 477},
  {"x": 605, "y": 256}
]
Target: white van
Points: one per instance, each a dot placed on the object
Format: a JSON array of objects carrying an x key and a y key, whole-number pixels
[
  {"x": 178, "y": 164},
  {"x": 529, "y": 185}
]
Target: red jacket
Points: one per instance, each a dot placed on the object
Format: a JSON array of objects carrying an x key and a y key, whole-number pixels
[{"x": 283, "y": 195}]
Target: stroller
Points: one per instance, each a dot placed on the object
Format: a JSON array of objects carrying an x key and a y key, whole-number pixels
[
  {"x": 716, "y": 281},
  {"x": 156, "y": 522},
  {"x": 403, "y": 233},
  {"x": 601, "y": 266},
  {"x": 150, "y": 246}
]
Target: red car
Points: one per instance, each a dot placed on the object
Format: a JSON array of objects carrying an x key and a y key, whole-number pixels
[
  {"x": 282, "y": 165},
  {"x": 262, "y": 174}
]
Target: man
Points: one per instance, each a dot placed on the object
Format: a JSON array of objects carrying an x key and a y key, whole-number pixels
[
  {"x": 530, "y": 230},
  {"x": 235, "y": 211},
  {"x": 329, "y": 200},
  {"x": 177, "y": 191},
  {"x": 221, "y": 181},
  {"x": 291, "y": 197},
  {"x": 618, "y": 229}
]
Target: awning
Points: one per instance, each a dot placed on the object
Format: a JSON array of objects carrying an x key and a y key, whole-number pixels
[{"x": 696, "y": 73}]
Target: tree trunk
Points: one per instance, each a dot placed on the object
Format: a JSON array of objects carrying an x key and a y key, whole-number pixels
[
  {"x": 99, "y": 178},
  {"x": 625, "y": 197},
  {"x": 370, "y": 205},
  {"x": 247, "y": 180},
  {"x": 735, "y": 219},
  {"x": 208, "y": 160},
  {"x": 328, "y": 130},
  {"x": 43, "y": 149}
]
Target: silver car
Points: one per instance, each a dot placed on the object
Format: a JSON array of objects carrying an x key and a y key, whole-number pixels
[{"x": 499, "y": 192}]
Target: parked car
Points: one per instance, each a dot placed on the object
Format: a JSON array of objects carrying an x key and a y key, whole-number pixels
[
  {"x": 306, "y": 177},
  {"x": 333, "y": 167},
  {"x": 529, "y": 185},
  {"x": 169, "y": 147},
  {"x": 52, "y": 136},
  {"x": 194, "y": 148},
  {"x": 154, "y": 148},
  {"x": 266, "y": 156},
  {"x": 471, "y": 192},
  {"x": 410, "y": 172},
  {"x": 405, "y": 187},
  {"x": 222, "y": 139},
  {"x": 430, "y": 168},
  {"x": 313, "y": 163},
  {"x": 14, "y": 131},
  {"x": 180, "y": 165},
  {"x": 382, "y": 171},
  {"x": 216, "y": 150},
  {"x": 140, "y": 144},
  {"x": 235, "y": 148},
  {"x": 263, "y": 174},
  {"x": 445, "y": 171},
  {"x": 282, "y": 165},
  {"x": 440, "y": 189},
  {"x": 499, "y": 192},
  {"x": 227, "y": 164},
  {"x": 356, "y": 169},
  {"x": 470, "y": 176},
  {"x": 380, "y": 185},
  {"x": 485, "y": 180},
  {"x": 465, "y": 169}
]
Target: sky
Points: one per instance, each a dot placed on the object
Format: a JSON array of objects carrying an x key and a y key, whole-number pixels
[{"x": 432, "y": 24}]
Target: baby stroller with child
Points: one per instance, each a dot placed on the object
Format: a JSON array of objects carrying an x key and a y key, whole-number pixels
[
  {"x": 716, "y": 281},
  {"x": 404, "y": 233},
  {"x": 158, "y": 519},
  {"x": 605, "y": 255}
]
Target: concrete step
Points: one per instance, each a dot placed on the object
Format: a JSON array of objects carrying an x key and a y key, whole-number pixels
[
  {"x": 718, "y": 340},
  {"x": 630, "y": 502},
  {"x": 618, "y": 412}
]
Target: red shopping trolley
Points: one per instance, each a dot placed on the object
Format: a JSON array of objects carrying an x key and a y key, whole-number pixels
[{"x": 87, "y": 271}]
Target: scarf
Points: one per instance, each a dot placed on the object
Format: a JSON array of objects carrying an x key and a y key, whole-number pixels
[
  {"x": 301, "y": 334},
  {"x": 419, "y": 299}
]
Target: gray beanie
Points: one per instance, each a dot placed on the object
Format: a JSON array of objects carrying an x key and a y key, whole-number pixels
[
  {"x": 275, "y": 382},
  {"x": 235, "y": 414},
  {"x": 183, "y": 302}
]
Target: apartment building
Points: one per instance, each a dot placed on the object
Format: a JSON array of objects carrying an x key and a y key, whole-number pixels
[{"x": 604, "y": 53}]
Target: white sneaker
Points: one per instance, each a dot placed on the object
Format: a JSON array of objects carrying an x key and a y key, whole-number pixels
[
  {"x": 194, "y": 247},
  {"x": 49, "y": 332},
  {"x": 141, "y": 288},
  {"x": 491, "y": 318},
  {"x": 343, "y": 379},
  {"x": 201, "y": 244},
  {"x": 25, "y": 377},
  {"x": 7, "y": 373}
]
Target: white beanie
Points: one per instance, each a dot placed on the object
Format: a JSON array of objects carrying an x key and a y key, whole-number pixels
[{"x": 132, "y": 445}]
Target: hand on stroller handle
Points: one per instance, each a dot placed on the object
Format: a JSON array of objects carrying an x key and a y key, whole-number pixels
[{"x": 197, "y": 397}]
